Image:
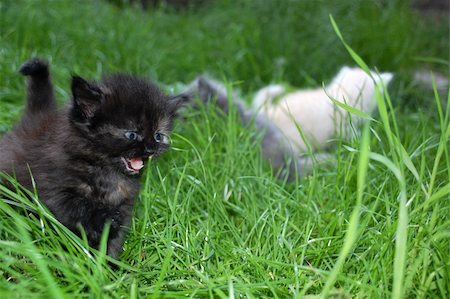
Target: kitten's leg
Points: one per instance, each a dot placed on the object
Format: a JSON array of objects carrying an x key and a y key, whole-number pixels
[
  {"x": 119, "y": 221},
  {"x": 118, "y": 230},
  {"x": 40, "y": 96},
  {"x": 115, "y": 244},
  {"x": 83, "y": 215}
]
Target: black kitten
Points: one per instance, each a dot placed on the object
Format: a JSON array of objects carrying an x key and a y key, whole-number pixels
[{"x": 86, "y": 157}]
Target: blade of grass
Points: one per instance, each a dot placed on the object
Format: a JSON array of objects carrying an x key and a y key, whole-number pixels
[
  {"x": 352, "y": 230},
  {"x": 402, "y": 227},
  {"x": 352, "y": 53}
]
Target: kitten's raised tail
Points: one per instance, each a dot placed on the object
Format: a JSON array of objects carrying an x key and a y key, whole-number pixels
[
  {"x": 40, "y": 95},
  {"x": 208, "y": 90}
]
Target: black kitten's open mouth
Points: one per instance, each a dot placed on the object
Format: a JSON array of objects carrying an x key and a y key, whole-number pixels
[{"x": 133, "y": 165}]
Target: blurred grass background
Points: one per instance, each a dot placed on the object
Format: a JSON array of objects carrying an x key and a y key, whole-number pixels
[{"x": 253, "y": 42}]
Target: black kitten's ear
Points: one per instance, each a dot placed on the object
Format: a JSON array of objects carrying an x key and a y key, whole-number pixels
[{"x": 86, "y": 96}]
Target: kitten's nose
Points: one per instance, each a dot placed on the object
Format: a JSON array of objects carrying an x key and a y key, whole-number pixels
[{"x": 149, "y": 152}]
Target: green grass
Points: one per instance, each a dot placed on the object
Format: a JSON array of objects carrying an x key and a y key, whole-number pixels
[{"x": 211, "y": 220}]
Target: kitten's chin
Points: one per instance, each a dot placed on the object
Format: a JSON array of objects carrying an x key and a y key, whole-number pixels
[{"x": 133, "y": 165}]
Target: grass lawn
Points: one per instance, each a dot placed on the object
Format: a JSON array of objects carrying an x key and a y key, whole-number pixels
[{"x": 211, "y": 219}]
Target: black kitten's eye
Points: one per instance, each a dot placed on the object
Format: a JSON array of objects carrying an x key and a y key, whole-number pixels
[
  {"x": 131, "y": 135},
  {"x": 158, "y": 137}
]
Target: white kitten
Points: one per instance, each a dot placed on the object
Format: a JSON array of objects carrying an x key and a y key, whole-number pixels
[
  {"x": 313, "y": 113},
  {"x": 309, "y": 111}
]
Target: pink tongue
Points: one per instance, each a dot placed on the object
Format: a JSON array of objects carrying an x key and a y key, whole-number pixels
[{"x": 136, "y": 163}]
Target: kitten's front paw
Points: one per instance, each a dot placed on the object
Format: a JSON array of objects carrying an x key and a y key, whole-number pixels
[{"x": 35, "y": 67}]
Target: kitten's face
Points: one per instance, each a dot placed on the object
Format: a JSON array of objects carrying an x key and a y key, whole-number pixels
[{"x": 127, "y": 119}]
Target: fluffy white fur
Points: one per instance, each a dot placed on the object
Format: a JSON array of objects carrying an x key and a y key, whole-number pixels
[{"x": 313, "y": 114}]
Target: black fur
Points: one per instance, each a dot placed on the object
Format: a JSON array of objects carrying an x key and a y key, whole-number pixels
[
  {"x": 79, "y": 154},
  {"x": 40, "y": 97}
]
